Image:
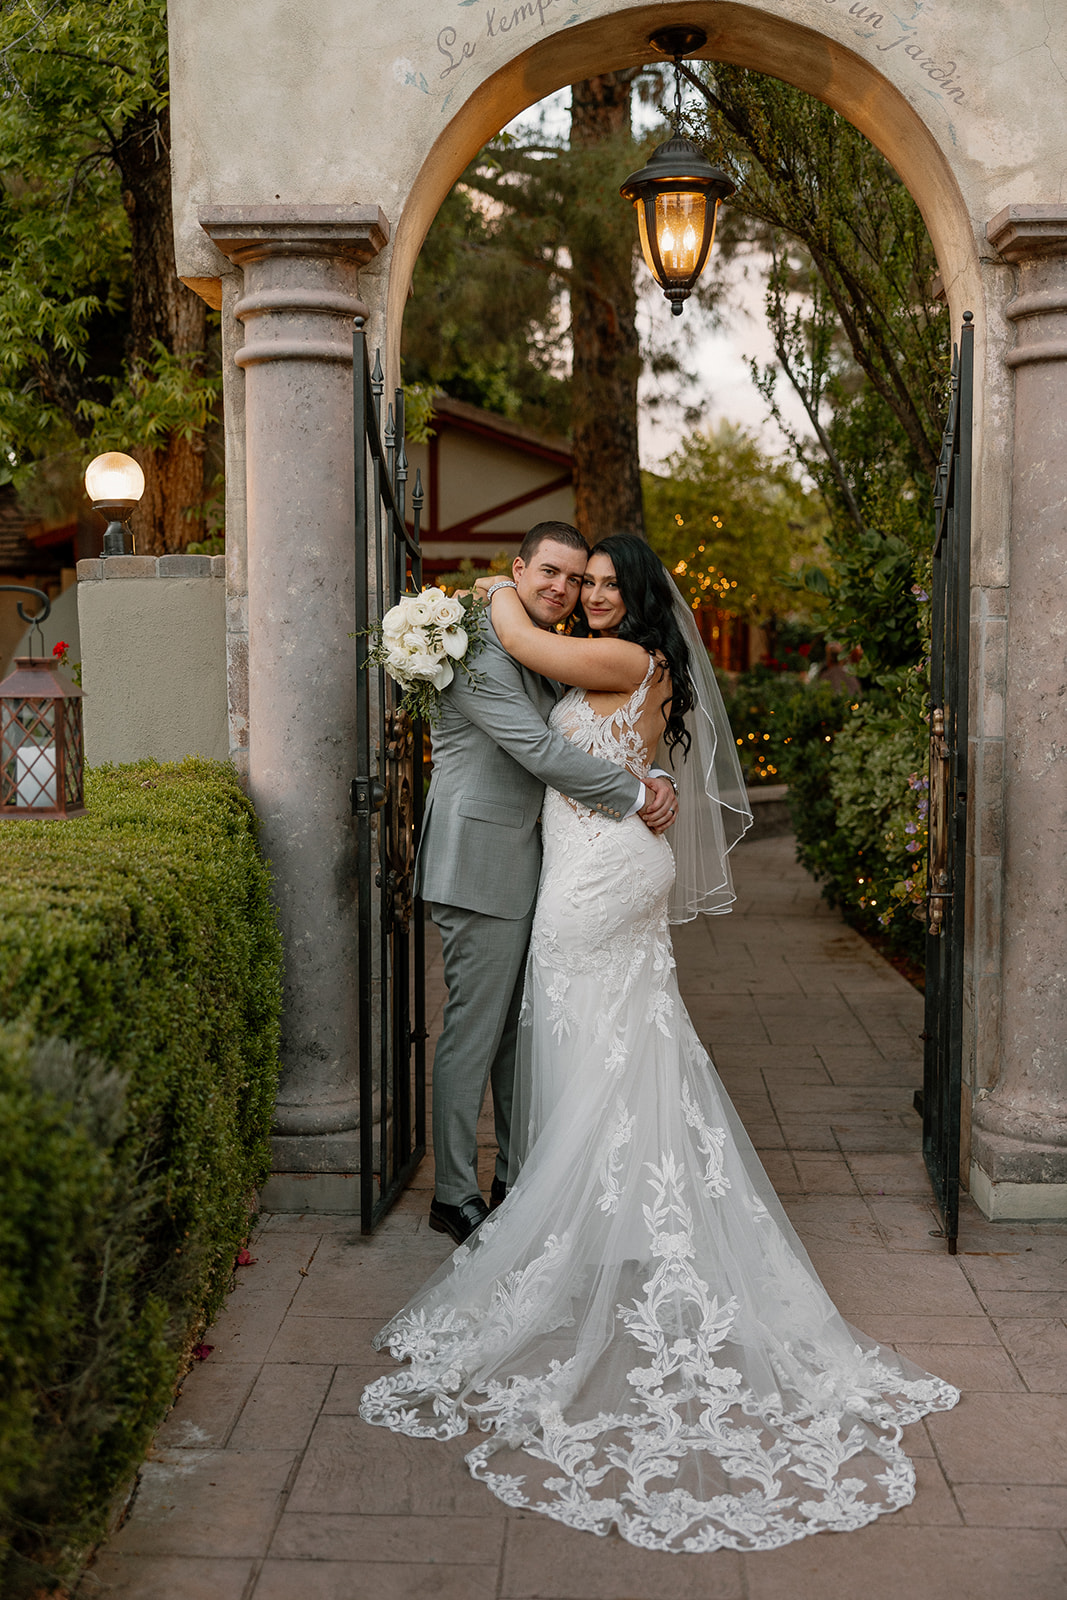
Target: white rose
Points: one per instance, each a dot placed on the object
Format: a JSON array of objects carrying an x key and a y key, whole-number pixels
[
  {"x": 454, "y": 641},
  {"x": 398, "y": 663},
  {"x": 421, "y": 664},
  {"x": 420, "y": 612},
  {"x": 417, "y": 639},
  {"x": 429, "y": 669},
  {"x": 394, "y": 623},
  {"x": 395, "y": 653},
  {"x": 448, "y": 610}
]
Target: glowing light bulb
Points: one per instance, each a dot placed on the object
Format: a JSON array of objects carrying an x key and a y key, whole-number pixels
[{"x": 689, "y": 239}]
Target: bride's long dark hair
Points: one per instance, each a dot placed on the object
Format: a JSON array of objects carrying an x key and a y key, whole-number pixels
[{"x": 648, "y": 595}]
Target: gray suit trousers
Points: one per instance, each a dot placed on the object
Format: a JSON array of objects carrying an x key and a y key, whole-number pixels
[{"x": 485, "y": 962}]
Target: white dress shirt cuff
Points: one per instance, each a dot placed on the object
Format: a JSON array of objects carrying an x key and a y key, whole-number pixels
[
  {"x": 639, "y": 803},
  {"x": 642, "y": 793}
]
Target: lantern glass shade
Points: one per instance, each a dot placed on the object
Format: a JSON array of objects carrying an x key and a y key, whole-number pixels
[
  {"x": 678, "y": 227},
  {"x": 114, "y": 479},
  {"x": 676, "y": 197},
  {"x": 42, "y": 746}
]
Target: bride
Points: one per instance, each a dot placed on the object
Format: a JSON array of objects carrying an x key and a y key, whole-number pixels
[{"x": 637, "y": 1329}]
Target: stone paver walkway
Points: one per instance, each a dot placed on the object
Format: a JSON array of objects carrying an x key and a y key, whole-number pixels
[{"x": 264, "y": 1485}]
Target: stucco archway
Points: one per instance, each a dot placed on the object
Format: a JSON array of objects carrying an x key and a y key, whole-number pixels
[
  {"x": 741, "y": 35},
  {"x": 284, "y": 115}
]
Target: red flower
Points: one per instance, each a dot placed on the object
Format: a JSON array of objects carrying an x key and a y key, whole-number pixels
[
  {"x": 61, "y": 648},
  {"x": 243, "y": 1259},
  {"x": 804, "y": 650},
  {"x": 202, "y": 1351}
]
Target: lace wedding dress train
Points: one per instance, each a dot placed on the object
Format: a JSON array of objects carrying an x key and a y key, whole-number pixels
[{"x": 637, "y": 1329}]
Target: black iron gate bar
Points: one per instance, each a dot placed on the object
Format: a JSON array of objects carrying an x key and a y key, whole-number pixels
[
  {"x": 949, "y": 688},
  {"x": 387, "y": 801}
]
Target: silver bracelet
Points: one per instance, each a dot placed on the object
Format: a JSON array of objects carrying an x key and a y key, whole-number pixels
[{"x": 501, "y": 583}]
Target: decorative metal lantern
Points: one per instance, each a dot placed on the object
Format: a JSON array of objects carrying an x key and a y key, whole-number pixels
[
  {"x": 114, "y": 483},
  {"x": 42, "y": 746},
  {"x": 678, "y": 193}
]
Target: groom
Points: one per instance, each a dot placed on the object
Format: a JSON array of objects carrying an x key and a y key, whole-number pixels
[{"x": 480, "y": 859}]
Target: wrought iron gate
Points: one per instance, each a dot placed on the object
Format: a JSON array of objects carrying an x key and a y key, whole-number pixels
[
  {"x": 946, "y": 872},
  {"x": 387, "y": 796}
]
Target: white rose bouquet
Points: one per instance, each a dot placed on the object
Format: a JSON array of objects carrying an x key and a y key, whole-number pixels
[{"x": 422, "y": 640}]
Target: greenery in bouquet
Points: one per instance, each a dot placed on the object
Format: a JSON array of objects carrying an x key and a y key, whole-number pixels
[{"x": 422, "y": 641}]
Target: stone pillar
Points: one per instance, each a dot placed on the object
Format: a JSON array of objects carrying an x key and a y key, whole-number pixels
[
  {"x": 1019, "y": 1139},
  {"x": 299, "y": 297}
]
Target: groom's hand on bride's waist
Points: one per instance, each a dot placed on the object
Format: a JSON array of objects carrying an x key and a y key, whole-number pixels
[{"x": 661, "y": 804}]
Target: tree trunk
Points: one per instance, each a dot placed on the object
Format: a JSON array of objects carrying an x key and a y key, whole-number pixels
[
  {"x": 607, "y": 358},
  {"x": 162, "y": 310}
]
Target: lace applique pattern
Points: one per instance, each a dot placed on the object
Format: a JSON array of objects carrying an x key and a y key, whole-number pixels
[
  {"x": 621, "y": 1132},
  {"x": 712, "y": 1143},
  {"x": 686, "y": 1399},
  {"x": 637, "y": 1330}
]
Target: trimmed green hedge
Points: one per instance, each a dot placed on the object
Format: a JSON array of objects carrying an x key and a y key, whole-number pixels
[{"x": 139, "y": 1000}]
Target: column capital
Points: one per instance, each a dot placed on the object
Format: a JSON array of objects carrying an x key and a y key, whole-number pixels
[
  {"x": 1034, "y": 239},
  {"x": 1023, "y": 232},
  {"x": 301, "y": 276},
  {"x": 248, "y": 233}
]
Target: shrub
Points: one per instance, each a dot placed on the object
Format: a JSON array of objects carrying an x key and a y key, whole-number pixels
[
  {"x": 759, "y": 708},
  {"x": 879, "y": 786},
  {"x": 810, "y": 724},
  {"x": 857, "y": 794},
  {"x": 139, "y": 999}
]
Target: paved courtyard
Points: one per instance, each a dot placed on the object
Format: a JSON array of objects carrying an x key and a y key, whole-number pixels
[{"x": 263, "y": 1483}]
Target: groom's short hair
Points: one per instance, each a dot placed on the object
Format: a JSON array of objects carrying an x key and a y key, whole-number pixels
[{"x": 561, "y": 532}]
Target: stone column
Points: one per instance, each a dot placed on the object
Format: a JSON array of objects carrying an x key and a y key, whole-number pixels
[
  {"x": 1019, "y": 1141},
  {"x": 299, "y": 297}
]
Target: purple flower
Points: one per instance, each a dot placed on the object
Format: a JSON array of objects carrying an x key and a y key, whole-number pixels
[
  {"x": 913, "y": 845},
  {"x": 909, "y": 827}
]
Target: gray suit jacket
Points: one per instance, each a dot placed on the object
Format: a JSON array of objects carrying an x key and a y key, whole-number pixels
[{"x": 492, "y": 757}]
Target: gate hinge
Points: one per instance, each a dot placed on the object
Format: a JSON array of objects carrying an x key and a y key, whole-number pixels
[{"x": 368, "y": 796}]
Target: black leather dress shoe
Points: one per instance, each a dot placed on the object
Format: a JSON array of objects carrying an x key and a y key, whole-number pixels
[
  {"x": 497, "y": 1193},
  {"x": 460, "y": 1221}
]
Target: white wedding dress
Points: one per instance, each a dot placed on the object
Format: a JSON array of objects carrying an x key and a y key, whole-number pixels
[{"x": 637, "y": 1329}]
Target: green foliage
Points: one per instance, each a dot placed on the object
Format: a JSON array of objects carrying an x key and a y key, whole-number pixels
[
  {"x": 762, "y": 709},
  {"x": 807, "y": 174},
  {"x": 100, "y": 346},
  {"x": 857, "y": 792},
  {"x": 861, "y": 334},
  {"x": 139, "y": 999},
  {"x": 732, "y": 523},
  {"x": 481, "y": 323},
  {"x": 164, "y": 395},
  {"x": 418, "y": 412},
  {"x": 879, "y": 787},
  {"x": 809, "y": 729},
  {"x": 73, "y": 78},
  {"x": 529, "y": 219}
]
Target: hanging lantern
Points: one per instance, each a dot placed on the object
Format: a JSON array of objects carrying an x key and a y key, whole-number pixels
[
  {"x": 42, "y": 745},
  {"x": 114, "y": 483},
  {"x": 677, "y": 197},
  {"x": 678, "y": 193}
]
